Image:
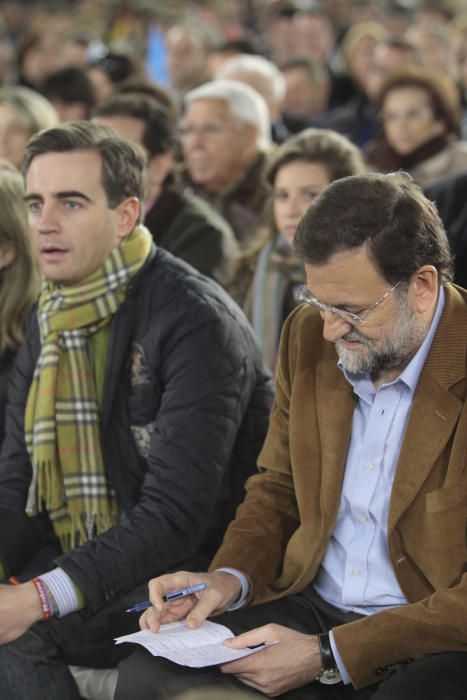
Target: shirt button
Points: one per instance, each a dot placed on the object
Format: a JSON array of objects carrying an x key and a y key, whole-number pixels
[
  {"x": 362, "y": 518},
  {"x": 356, "y": 571},
  {"x": 369, "y": 465}
]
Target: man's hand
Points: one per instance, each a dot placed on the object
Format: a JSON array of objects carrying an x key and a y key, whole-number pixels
[
  {"x": 292, "y": 663},
  {"x": 20, "y": 608},
  {"x": 222, "y": 590}
]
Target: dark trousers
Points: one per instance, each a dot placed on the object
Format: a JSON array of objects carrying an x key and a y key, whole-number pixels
[
  {"x": 436, "y": 677},
  {"x": 35, "y": 666}
]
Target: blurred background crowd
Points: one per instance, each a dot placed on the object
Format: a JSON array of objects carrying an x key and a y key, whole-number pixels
[{"x": 247, "y": 109}]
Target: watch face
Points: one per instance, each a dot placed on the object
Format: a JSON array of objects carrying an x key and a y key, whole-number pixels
[{"x": 330, "y": 676}]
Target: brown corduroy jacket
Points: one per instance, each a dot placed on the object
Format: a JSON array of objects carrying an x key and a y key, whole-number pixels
[{"x": 282, "y": 529}]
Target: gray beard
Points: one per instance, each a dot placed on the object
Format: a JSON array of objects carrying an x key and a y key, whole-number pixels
[{"x": 393, "y": 352}]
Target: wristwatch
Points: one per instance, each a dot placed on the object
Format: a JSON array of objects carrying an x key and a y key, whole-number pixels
[{"x": 329, "y": 673}]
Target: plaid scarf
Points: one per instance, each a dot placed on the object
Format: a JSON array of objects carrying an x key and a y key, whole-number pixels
[{"x": 62, "y": 415}]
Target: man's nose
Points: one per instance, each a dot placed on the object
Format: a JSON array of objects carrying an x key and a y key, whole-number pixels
[
  {"x": 334, "y": 326},
  {"x": 46, "y": 220}
]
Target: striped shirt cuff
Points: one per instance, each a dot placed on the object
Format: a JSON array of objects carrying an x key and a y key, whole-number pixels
[
  {"x": 240, "y": 602},
  {"x": 63, "y": 590}
]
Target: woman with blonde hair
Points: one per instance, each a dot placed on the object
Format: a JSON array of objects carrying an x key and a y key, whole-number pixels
[
  {"x": 19, "y": 278},
  {"x": 23, "y": 112}
]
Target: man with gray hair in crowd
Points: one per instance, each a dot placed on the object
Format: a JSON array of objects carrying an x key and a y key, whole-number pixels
[{"x": 225, "y": 134}]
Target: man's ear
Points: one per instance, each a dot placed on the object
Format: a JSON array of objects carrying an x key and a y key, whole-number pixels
[
  {"x": 424, "y": 286},
  {"x": 128, "y": 216}
]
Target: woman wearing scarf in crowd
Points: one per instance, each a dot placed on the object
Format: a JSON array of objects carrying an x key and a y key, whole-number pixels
[
  {"x": 419, "y": 126},
  {"x": 296, "y": 173}
]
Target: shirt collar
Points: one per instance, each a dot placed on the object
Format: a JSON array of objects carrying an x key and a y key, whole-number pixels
[{"x": 410, "y": 375}]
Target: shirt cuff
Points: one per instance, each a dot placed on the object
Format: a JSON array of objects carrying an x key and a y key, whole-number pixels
[
  {"x": 340, "y": 664},
  {"x": 63, "y": 590},
  {"x": 245, "y": 587}
]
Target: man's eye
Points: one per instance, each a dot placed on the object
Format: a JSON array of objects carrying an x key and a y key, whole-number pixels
[
  {"x": 34, "y": 207},
  {"x": 70, "y": 204}
]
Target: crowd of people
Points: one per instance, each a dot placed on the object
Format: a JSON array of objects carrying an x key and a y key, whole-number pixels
[{"x": 233, "y": 252}]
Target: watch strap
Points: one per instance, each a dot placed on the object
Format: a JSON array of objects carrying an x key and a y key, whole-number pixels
[{"x": 329, "y": 673}]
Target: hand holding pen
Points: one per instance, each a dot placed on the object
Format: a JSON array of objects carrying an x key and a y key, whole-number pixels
[
  {"x": 219, "y": 590},
  {"x": 182, "y": 593}
]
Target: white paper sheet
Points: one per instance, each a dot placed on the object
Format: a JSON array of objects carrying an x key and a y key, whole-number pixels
[{"x": 191, "y": 647}]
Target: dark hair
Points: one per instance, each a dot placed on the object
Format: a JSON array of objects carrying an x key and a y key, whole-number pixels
[
  {"x": 328, "y": 148},
  {"x": 70, "y": 84},
  {"x": 441, "y": 90},
  {"x": 123, "y": 162},
  {"x": 387, "y": 213},
  {"x": 146, "y": 86},
  {"x": 159, "y": 126},
  {"x": 117, "y": 66}
]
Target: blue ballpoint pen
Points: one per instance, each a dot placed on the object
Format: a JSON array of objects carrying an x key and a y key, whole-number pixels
[{"x": 182, "y": 593}]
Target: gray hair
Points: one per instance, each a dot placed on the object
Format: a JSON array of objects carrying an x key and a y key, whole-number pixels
[
  {"x": 245, "y": 104},
  {"x": 265, "y": 69}
]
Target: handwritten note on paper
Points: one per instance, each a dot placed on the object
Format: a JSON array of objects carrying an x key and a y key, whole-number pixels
[{"x": 196, "y": 648}]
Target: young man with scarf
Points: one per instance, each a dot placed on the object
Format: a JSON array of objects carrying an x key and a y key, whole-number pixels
[{"x": 137, "y": 407}]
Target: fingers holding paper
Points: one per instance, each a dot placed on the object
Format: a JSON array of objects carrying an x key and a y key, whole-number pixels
[
  {"x": 292, "y": 663},
  {"x": 222, "y": 589}
]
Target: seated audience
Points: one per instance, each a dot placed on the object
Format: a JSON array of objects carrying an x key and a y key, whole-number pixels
[
  {"x": 137, "y": 407},
  {"x": 420, "y": 124},
  {"x": 296, "y": 173},
  {"x": 351, "y": 538},
  {"x": 23, "y": 112},
  {"x": 183, "y": 224},
  {"x": 225, "y": 135},
  {"x": 19, "y": 280},
  {"x": 71, "y": 91}
]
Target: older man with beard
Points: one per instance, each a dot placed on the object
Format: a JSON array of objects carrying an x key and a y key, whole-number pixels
[{"x": 352, "y": 536}]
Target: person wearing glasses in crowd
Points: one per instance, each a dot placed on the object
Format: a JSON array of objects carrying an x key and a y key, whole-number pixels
[
  {"x": 225, "y": 135},
  {"x": 351, "y": 538},
  {"x": 420, "y": 124}
]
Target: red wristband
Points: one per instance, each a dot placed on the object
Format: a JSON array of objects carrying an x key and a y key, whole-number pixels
[{"x": 46, "y": 612}]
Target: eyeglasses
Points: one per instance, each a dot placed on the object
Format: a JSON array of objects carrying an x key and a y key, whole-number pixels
[
  {"x": 305, "y": 295},
  {"x": 205, "y": 130}
]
